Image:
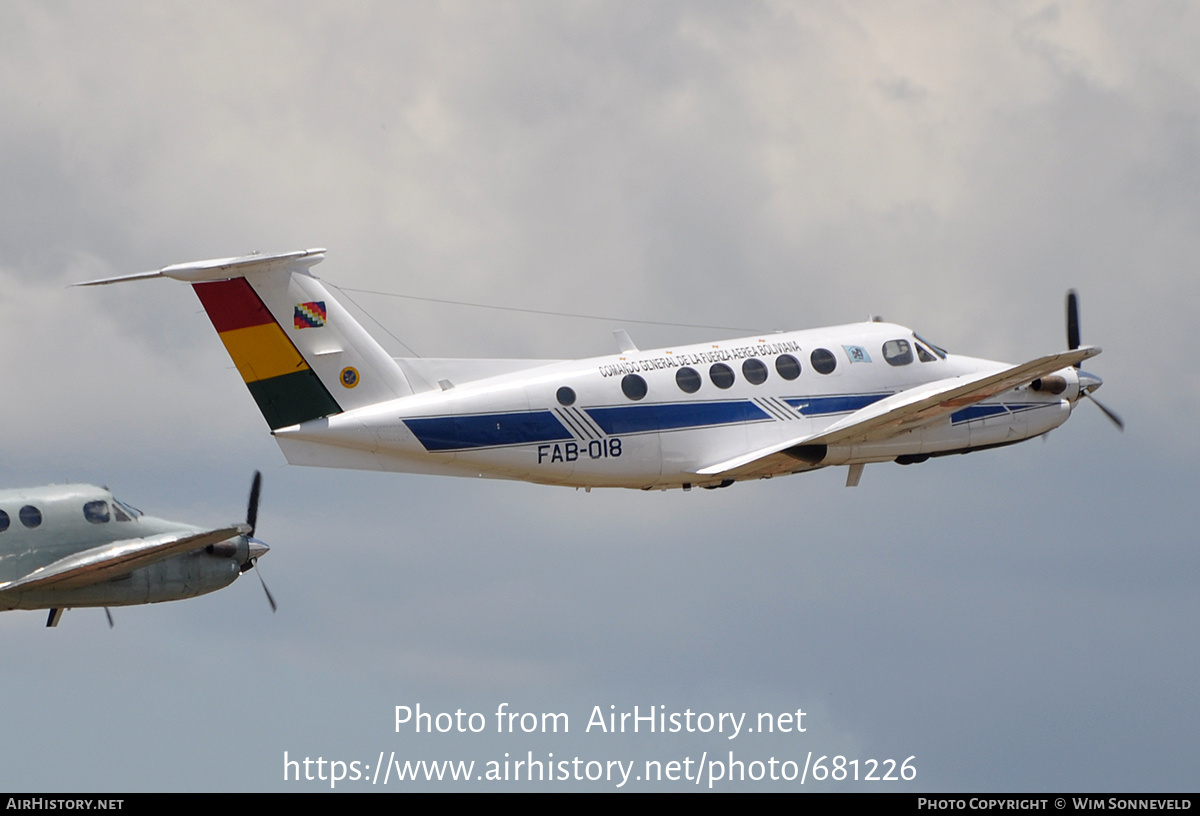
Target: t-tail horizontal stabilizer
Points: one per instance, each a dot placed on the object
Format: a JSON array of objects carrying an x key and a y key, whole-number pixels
[{"x": 298, "y": 350}]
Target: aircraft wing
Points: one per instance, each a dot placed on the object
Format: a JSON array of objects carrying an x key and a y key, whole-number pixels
[
  {"x": 914, "y": 407},
  {"x": 117, "y": 558}
]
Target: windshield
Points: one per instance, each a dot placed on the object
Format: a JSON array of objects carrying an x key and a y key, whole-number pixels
[
  {"x": 123, "y": 511},
  {"x": 938, "y": 350}
]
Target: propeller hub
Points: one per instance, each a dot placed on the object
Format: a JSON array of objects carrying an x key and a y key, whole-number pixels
[
  {"x": 257, "y": 548},
  {"x": 1088, "y": 382}
]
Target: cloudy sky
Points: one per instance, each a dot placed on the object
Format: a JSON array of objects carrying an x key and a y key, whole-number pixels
[{"x": 1023, "y": 619}]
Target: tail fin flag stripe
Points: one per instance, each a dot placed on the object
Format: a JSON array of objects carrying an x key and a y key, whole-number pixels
[
  {"x": 292, "y": 399},
  {"x": 287, "y": 391},
  {"x": 232, "y": 304}
]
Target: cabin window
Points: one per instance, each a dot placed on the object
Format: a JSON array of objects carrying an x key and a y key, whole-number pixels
[
  {"x": 633, "y": 386},
  {"x": 565, "y": 396},
  {"x": 3, "y": 521},
  {"x": 755, "y": 371},
  {"x": 721, "y": 375},
  {"x": 897, "y": 352},
  {"x": 688, "y": 380},
  {"x": 96, "y": 512},
  {"x": 823, "y": 360},
  {"x": 30, "y": 516},
  {"x": 787, "y": 366}
]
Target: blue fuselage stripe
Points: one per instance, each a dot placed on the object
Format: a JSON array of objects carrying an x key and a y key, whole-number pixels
[
  {"x": 671, "y": 416},
  {"x": 841, "y": 404},
  {"x": 449, "y": 433},
  {"x": 487, "y": 430}
]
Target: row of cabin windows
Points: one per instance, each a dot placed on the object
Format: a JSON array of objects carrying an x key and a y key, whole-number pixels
[
  {"x": 97, "y": 512},
  {"x": 895, "y": 352},
  {"x": 754, "y": 370}
]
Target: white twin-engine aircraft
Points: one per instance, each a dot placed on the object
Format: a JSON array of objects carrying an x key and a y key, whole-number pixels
[{"x": 703, "y": 415}]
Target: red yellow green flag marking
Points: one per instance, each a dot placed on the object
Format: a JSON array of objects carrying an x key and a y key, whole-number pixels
[{"x": 287, "y": 391}]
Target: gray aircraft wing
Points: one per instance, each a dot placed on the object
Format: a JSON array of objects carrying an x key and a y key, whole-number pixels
[{"x": 117, "y": 558}]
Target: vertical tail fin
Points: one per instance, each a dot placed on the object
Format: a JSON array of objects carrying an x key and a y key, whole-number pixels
[
  {"x": 301, "y": 354},
  {"x": 285, "y": 387}
]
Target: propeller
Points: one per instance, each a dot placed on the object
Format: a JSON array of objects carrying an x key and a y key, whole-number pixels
[
  {"x": 1073, "y": 321},
  {"x": 1087, "y": 382},
  {"x": 257, "y": 548},
  {"x": 255, "y": 491},
  {"x": 261, "y": 580}
]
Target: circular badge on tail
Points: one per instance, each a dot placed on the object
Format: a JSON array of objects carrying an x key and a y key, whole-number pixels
[{"x": 349, "y": 377}]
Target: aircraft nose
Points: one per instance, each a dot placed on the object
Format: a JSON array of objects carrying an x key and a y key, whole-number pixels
[
  {"x": 1088, "y": 382},
  {"x": 257, "y": 548}
]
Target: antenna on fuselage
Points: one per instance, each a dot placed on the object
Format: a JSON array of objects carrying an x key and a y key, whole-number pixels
[{"x": 624, "y": 342}]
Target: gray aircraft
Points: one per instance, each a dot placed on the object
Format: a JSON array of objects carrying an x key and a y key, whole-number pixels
[{"x": 64, "y": 546}]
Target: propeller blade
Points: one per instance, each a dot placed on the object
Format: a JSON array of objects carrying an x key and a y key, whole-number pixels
[
  {"x": 252, "y": 510},
  {"x": 109, "y": 616},
  {"x": 1073, "y": 320},
  {"x": 1116, "y": 420},
  {"x": 261, "y": 580}
]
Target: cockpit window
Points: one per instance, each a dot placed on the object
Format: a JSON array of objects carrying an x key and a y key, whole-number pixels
[
  {"x": 124, "y": 512},
  {"x": 924, "y": 354},
  {"x": 938, "y": 350},
  {"x": 96, "y": 512},
  {"x": 897, "y": 352}
]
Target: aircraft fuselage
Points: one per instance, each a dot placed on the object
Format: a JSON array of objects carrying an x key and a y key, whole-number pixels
[
  {"x": 43, "y": 526},
  {"x": 591, "y": 423}
]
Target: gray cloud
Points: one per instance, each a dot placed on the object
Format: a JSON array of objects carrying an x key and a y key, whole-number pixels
[{"x": 1017, "y": 619}]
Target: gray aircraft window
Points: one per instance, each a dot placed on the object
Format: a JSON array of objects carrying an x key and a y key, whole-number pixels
[
  {"x": 897, "y": 352},
  {"x": 3, "y": 521},
  {"x": 755, "y": 371},
  {"x": 633, "y": 386},
  {"x": 823, "y": 360},
  {"x": 565, "y": 396},
  {"x": 721, "y": 375},
  {"x": 787, "y": 366},
  {"x": 96, "y": 512},
  {"x": 688, "y": 380},
  {"x": 30, "y": 516},
  {"x": 923, "y": 354}
]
